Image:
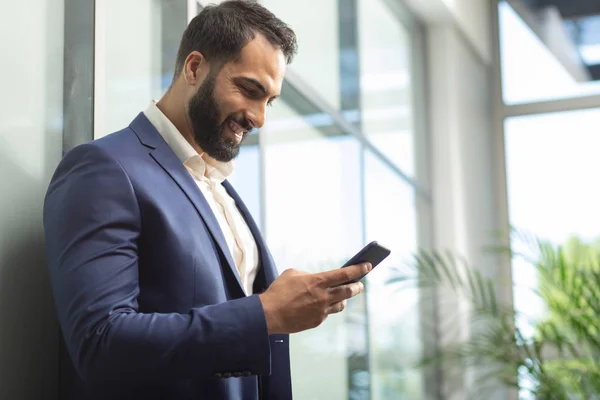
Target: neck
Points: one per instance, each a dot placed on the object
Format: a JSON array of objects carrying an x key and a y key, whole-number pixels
[{"x": 175, "y": 110}]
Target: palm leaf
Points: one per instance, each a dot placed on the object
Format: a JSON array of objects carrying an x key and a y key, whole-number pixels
[{"x": 569, "y": 285}]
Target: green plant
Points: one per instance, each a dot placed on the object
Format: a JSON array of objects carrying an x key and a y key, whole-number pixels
[{"x": 561, "y": 360}]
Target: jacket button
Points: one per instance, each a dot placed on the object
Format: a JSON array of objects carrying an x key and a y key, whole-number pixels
[
  {"x": 246, "y": 373},
  {"x": 237, "y": 374},
  {"x": 227, "y": 375},
  {"x": 218, "y": 375}
]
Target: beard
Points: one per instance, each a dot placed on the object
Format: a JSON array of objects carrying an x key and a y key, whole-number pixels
[{"x": 209, "y": 134}]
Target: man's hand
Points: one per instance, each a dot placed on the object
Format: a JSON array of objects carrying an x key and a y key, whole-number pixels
[{"x": 297, "y": 301}]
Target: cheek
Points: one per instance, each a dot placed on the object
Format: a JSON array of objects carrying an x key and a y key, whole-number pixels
[
  {"x": 232, "y": 106},
  {"x": 225, "y": 106},
  {"x": 229, "y": 101}
]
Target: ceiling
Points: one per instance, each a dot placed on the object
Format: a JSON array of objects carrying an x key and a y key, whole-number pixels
[{"x": 581, "y": 19}]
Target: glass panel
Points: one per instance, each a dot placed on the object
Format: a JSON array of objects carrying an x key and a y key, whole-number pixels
[
  {"x": 551, "y": 171},
  {"x": 313, "y": 223},
  {"x": 316, "y": 24},
  {"x": 385, "y": 83},
  {"x": 529, "y": 71},
  {"x": 137, "y": 49},
  {"x": 31, "y": 123},
  {"x": 246, "y": 179},
  {"x": 390, "y": 218}
]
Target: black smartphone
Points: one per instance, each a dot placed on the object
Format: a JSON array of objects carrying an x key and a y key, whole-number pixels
[{"x": 373, "y": 253}]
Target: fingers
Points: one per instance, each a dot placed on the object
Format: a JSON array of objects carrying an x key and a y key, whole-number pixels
[
  {"x": 336, "y": 307},
  {"x": 342, "y": 275},
  {"x": 344, "y": 292}
]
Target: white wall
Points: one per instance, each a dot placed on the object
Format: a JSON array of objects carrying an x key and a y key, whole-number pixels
[
  {"x": 31, "y": 71},
  {"x": 464, "y": 187},
  {"x": 471, "y": 17},
  {"x": 467, "y": 170}
]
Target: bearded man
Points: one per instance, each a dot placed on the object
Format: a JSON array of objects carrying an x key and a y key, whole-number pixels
[{"x": 163, "y": 284}]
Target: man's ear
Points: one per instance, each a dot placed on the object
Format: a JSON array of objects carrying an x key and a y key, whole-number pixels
[{"x": 195, "y": 68}]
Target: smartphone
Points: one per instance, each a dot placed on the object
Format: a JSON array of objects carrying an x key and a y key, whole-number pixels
[{"x": 373, "y": 253}]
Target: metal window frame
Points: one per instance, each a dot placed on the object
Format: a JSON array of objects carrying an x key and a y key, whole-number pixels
[
  {"x": 560, "y": 104},
  {"x": 350, "y": 96},
  {"x": 499, "y": 166},
  {"x": 99, "y": 67},
  {"x": 301, "y": 96},
  {"x": 79, "y": 72},
  {"x": 313, "y": 97},
  {"x": 551, "y": 106},
  {"x": 79, "y": 75}
]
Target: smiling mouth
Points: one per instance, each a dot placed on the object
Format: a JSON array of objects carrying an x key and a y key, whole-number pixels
[{"x": 237, "y": 129}]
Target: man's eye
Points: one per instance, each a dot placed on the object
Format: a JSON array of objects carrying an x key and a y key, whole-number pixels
[{"x": 251, "y": 92}]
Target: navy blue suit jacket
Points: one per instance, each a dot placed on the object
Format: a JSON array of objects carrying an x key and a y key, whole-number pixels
[{"x": 148, "y": 297}]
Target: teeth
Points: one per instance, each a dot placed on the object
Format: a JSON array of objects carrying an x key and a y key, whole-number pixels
[{"x": 236, "y": 128}]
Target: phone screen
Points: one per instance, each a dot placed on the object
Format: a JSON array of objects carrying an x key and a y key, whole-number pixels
[{"x": 373, "y": 253}]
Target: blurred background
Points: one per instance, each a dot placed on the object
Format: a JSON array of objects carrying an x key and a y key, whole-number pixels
[{"x": 422, "y": 124}]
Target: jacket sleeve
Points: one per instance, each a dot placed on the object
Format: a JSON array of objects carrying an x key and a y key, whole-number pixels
[{"x": 92, "y": 224}]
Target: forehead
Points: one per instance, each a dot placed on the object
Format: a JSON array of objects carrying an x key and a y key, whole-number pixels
[{"x": 260, "y": 60}]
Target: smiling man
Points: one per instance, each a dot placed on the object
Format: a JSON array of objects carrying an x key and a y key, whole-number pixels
[{"x": 163, "y": 284}]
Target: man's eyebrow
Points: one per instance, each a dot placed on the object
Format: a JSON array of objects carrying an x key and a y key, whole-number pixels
[{"x": 254, "y": 82}]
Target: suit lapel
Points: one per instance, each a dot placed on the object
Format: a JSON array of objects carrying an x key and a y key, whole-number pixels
[
  {"x": 164, "y": 156},
  {"x": 268, "y": 272}
]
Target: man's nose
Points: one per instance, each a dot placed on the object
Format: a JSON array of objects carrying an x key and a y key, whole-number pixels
[{"x": 258, "y": 114}]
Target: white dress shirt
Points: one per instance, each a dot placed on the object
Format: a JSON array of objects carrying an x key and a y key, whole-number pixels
[{"x": 208, "y": 174}]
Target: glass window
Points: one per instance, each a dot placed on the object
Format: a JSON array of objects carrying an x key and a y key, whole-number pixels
[
  {"x": 246, "y": 179},
  {"x": 320, "y": 186},
  {"x": 316, "y": 24},
  {"x": 552, "y": 166},
  {"x": 390, "y": 218},
  {"x": 316, "y": 179},
  {"x": 313, "y": 223},
  {"x": 529, "y": 71},
  {"x": 385, "y": 83},
  {"x": 136, "y": 47}
]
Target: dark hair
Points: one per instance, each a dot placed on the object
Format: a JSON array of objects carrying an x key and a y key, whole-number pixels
[{"x": 220, "y": 32}]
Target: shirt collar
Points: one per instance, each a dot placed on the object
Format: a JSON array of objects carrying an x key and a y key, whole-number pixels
[{"x": 201, "y": 165}]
